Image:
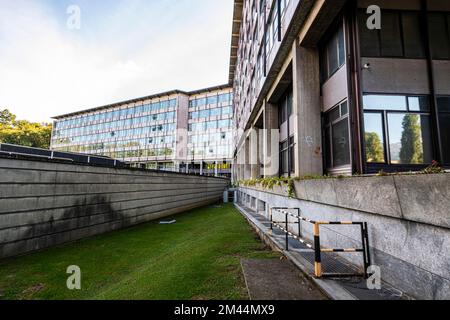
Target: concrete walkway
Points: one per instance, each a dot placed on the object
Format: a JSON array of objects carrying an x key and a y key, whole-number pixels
[
  {"x": 275, "y": 279},
  {"x": 337, "y": 288}
]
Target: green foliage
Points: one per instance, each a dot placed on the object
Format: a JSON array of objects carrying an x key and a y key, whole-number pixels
[
  {"x": 270, "y": 183},
  {"x": 411, "y": 150},
  {"x": 434, "y": 168},
  {"x": 374, "y": 147},
  {"x": 196, "y": 258},
  {"x": 22, "y": 132}
]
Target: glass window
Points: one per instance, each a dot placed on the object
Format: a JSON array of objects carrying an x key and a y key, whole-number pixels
[
  {"x": 211, "y": 125},
  {"x": 374, "y": 137},
  {"x": 224, "y": 124},
  {"x": 412, "y": 35},
  {"x": 215, "y": 112},
  {"x": 211, "y": 100},
  {"x": 341, "y": 145},
  {"x": 333, "y": 54},
  {"x": 400, "y": 36},
  {"x": 204, "y": 114},
  {"x": 391, "y": 44},
  {"x": 408, "y": 134},
  {"x": 382, "y": 102},
  {"x": 444, "y": 125},
  {"x": 337, "y": 137},
  {"x": 419, "y": 103},
  {"x": 409, "y": 138},
  {"x": 439, "y": 35},
  {"x": 227, "y": 110}
]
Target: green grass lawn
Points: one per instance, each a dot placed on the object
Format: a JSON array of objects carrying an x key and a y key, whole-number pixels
[{"x": 196, "y": 258}]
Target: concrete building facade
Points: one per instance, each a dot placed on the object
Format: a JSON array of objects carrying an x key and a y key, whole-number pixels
[
  {"x": 173, "y": 131},
  {"x": 340, "y": 87}
]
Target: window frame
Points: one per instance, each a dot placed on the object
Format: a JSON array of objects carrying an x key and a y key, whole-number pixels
[
  {"x": 399, "y": 14},
  {"x": 328, "y": 129},
  {"x": 385, "y": 123}
]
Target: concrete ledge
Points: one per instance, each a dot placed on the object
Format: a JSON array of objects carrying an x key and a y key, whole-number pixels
[{"x": 413, "y": 255}]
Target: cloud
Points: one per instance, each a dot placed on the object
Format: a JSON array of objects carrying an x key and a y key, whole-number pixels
[{"x": 47, "y": 70}]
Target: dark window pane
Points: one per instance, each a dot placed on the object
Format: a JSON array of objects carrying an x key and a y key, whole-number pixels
[
  {"x": 443, "y": 104},
  {"x": 341, "y": 145},
  {"x": 391, "y": 41},
  {"x": 380, "y": 102},
  {"x": 334, "y": 114},
  {"x": 327, "y": 147},
  {"x": 289, "y": 103},
  {"x": 341, "y": 48},
  {"x": 418, "y": 104},
  {"x": 333, "y": 58},
  {"x": 444, "y": 123},
  {"x": 344, "y": 109},
  {"x": 370, "y": 43},
  {"x": 412, "y": 35},
  {"x": 409, "y": 139},
  {"x": 439, "y": 36},
  {"x": 374, "y": 137}
]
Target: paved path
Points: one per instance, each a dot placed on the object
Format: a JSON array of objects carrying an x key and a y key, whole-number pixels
[{"x": 275, "y": 279}]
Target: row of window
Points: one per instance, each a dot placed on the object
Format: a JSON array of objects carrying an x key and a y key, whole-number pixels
[
  {"x": 215, "y": 112},
  {"x": 332, "y": 55},
  {"x": 210, "y": 138},
  {"x": 114, "y": 135},
  {"x": 401, "y": 35},
  {"x": 222, "y": 151},
  {"x": 109, "y": 150},
  {"x": 221, "y": 98},
  {"x": 398, "y": 129},
  {"x": 210, "y": 125},
  {"x": 117, "y": 114},
  {"x": 115, "y": 125}
]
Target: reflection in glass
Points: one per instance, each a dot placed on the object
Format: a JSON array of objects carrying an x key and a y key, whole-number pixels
[
  {"x": 444, "y": 125},
  {"x": 409, "y": 139},
  {"x": 374, "y": 138},
  {"x": 418, "y": 104},
  {"x": 380, "y": 102},
  {"x": 341, "y": 145}
]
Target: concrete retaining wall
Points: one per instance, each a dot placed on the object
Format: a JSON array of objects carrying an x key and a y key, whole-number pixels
[
  {"x": 43, "y": 204},
  {"x": 408, "y": 216}
]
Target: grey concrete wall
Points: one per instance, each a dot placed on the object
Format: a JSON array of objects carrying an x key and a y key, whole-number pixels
[
  {"x": 43, "y": 204},
  {"x": 408, "y": 217}
]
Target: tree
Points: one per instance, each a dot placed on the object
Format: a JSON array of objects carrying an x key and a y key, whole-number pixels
[
  {"x": 411, "y": 151},
  {"x": 24, "y": 133},
  {"x": 374, "y": 148},
  {"x": 6, "y": 118}
]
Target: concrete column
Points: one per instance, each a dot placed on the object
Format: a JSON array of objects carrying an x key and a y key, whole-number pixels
[
  {"x": 270, "y": 143},
  {"x": 247, "y": 166},
  {"x": 254, "y": 158},
  {"x": 307, "y": 109},
  {"x": 201, "y": 168}
]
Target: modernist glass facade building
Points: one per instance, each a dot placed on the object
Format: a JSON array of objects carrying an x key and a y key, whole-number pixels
[
  {"x": 343, "y": 96},
  {"x": 175, "y": 131}
]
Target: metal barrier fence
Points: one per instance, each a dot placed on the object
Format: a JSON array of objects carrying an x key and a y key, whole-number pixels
[{"x": 316, "y": 232}]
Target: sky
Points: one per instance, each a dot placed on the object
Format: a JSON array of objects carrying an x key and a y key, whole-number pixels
[{"x": 123, "y": 49}]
